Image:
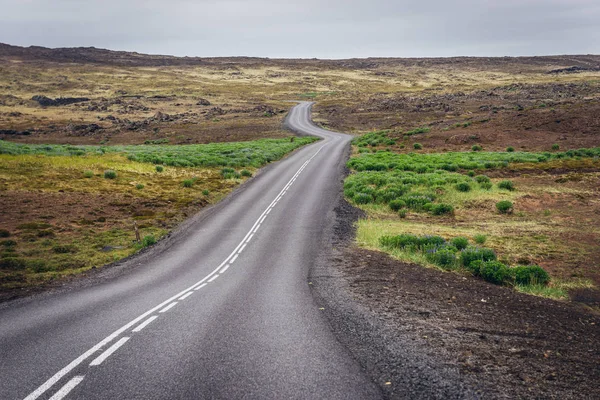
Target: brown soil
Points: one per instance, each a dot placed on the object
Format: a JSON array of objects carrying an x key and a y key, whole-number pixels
[
  {"x": 513, "y": 345},
  {"x": 527, "y": 117}
]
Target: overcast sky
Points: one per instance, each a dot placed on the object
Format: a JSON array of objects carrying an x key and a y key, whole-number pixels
[{"x": 311, "y": 28}]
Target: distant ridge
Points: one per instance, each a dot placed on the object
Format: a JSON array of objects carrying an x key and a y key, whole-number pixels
[{"x": 92, "y": 55}]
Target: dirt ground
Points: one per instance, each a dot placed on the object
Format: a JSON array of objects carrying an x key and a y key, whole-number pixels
[
  {"x": 515, "y": 345},
  {"x": 424, "y": 333},
  {"x": 527, "y": 117}
]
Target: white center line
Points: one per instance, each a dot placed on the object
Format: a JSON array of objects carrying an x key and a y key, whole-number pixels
[
  {"x": 225, "y": 268},
  {"x": 256, "y": 229},
  {"x": 100, "y": 359},
  {"x": 201, "y": 286},
  {"x": 243, "y": 247},
  {"x": 76, "y": 380},
  {"x": 143, "y": 324},
  {"x": 250, "y": 238},
  {"x": 234, "y": 258},
  {"x": 213, "y": 278},
  {"x": 185, "y": 296},
  {"x": 167, "y": 308}
]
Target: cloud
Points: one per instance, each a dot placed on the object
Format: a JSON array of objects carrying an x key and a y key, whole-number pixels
[{"x": 311, "y": 28}]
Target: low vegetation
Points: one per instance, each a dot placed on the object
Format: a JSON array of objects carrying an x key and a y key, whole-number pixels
[
  {"x": 99, "y": 195},
  {"x": 458, "y": 194}
]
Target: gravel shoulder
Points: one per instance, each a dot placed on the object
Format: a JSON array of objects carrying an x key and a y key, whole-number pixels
[{"x": 423, "y": 333}]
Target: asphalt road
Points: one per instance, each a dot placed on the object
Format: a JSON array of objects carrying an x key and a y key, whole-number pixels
[{"x": 223, "y": 310}]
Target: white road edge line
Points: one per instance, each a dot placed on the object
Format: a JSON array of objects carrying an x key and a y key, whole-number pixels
[
  {"x": 144, "y": 324},
  {"x": 185, "y": 296},
  {"x": 73, "y": 364},
  {"x": 225, "y": 268},
  {"x": 76, "y": 380},
  {"x": 167, "y": 308},
  {"x": 201, "y": 286},
  {"x": 213, "y": 278},
  {"x": 100, "y": 359}
]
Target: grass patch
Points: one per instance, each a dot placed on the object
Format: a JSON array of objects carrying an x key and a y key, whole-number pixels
[{"x": 236, "y": 154}]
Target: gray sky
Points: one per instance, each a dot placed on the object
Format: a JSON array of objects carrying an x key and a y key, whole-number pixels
[{"x": 311, "y": 28}]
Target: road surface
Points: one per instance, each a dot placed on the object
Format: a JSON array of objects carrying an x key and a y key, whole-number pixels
[{"x": 223, "y": 311}]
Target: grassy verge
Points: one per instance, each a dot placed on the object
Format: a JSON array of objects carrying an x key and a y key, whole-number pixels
[
  {"x": 504, "y": 200},
  {"x": 68, "y": 209}
]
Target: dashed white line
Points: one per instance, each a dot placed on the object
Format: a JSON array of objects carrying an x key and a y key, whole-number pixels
[
  {"x": 250, "y": 238},
  {"x": 225, "y": 268},
  {"x": 73, "y": 364},
  {"x": 201, "y": 286},
  {"x": 257, "y": 228},
  {"x": 100, "y": 359},
  {"x": 268, "y": 211},
  {"x": 243, "y": 247},
  {"x": 234, "y": 258},
  {"x": 213, "y": 278},
  {"x": 167, "y": 308},
  {"x": 144, "y": 324},
  {"x": 185, "y": 296},
  {"x": 76, "y": 380}
]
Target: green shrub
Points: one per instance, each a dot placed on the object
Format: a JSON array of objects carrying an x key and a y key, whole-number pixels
[
  {"x": 148, "y": 240},
  {"x": 12, "y": 263},
  {"x": 402, "y": 213},
  {"x": 159, "y": 168},
  {"x": 480, "y": 239},
  {"x": 460, "y": 242},
  {"x": 482, "y": 179},
  {"x": 471, "y": 173},
  {"x": 555, "y": 147},
  {"x": 486, "y": 185},
  {"x": 188, "y": 183},
  {"x": 246, "y": 173},
  {"x": 507, "y": 185},
  {"x": 417, "y": 146},
  {"x": 363, "y": 198},
  {"x": 442, "y": 209},
  {"x": 205, "y": 192},
  {"x": 110, "y": 174},
  {"x": 463, "y": 187},
  {"x": 4, "y": 233},
  {"x": 530, "y": 275},
  {"x": 88, "y": 174},
  {"x": 399, "y": 241},
  {"x": 444, "y": 257},
  {"x": 396, "y": 205},
  {"x": 416, "y": 131},
  {"x": 64, "y": 249},
  {"x": 139, "y": 186},
  {"x": 470, "y": 254},
  {"x": 8, "y": 243},
  {"x": 428, "y": 241},
  {"x": 476, "y": 147},
  {"x": 504, "y": 207},
  {"x": 474, "y": 267},
  {"x": 494, "y": 272},
  {"x": 510, "y": 149}
]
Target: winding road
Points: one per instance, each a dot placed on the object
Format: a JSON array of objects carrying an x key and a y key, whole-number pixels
[{"x": 222, "y": 309}]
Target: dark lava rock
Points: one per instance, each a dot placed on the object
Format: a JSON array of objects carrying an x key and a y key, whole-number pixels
[
  {"x": 61, "y": 101},
  {"x": 13, "y": 132}
]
